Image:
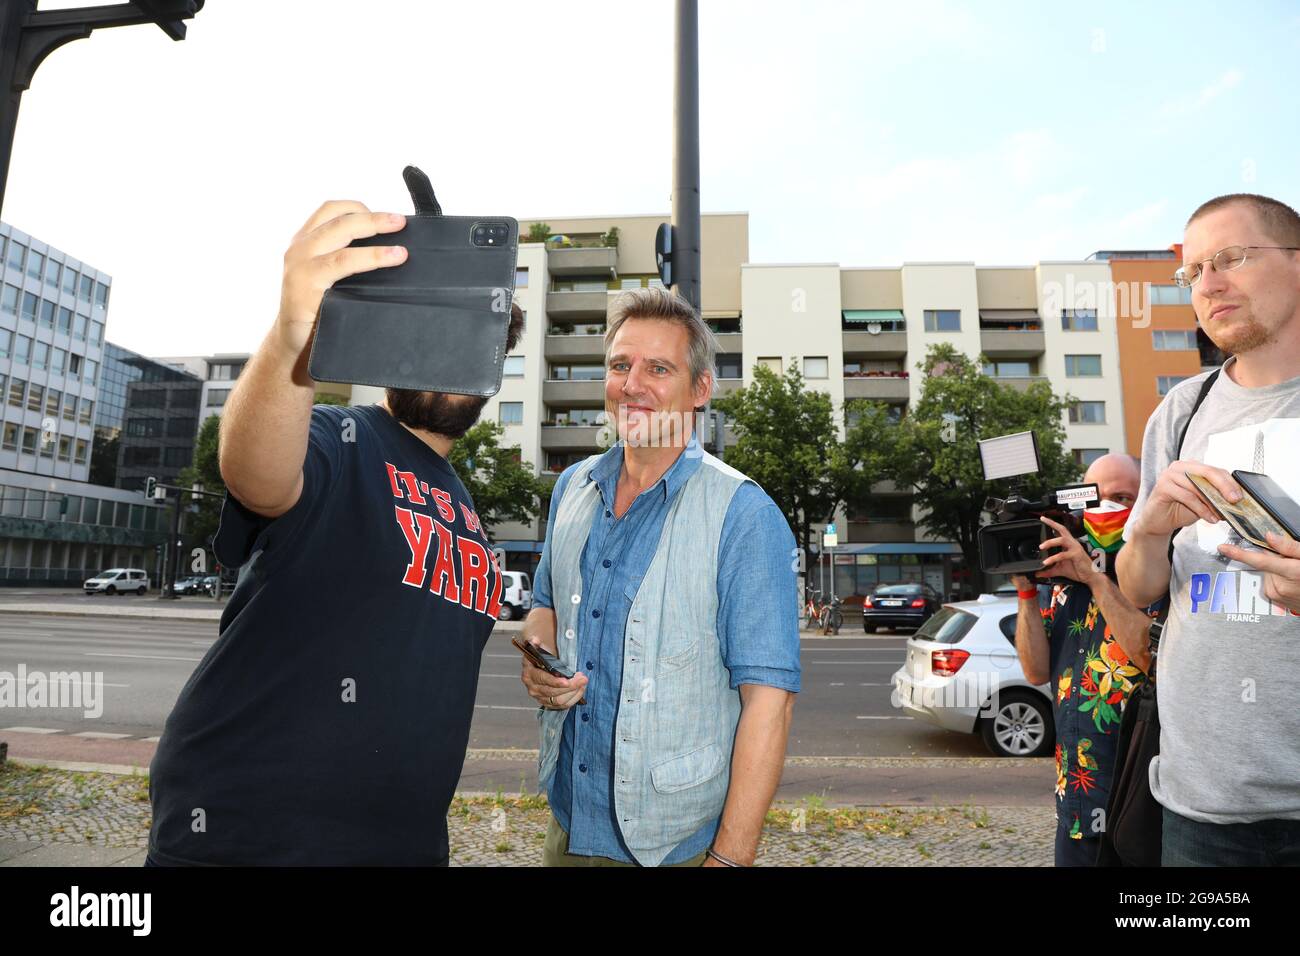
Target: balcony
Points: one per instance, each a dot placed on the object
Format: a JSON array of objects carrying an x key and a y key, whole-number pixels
[
  {"x": 572, "y": 438},
  {"x": 725, "y": 386},
  {"x": 729, "y": 342},
  {"x": 1018, "y": 382},
  {"x": 1011, "y": 344},
  {"x": 877, "y": 346},
  {"x": 880, "y": 532},
  {"x": 587, "y": 347},
  {"x": 582, "y": 393},
  {"x": 574, "y": 261},
  {"x": 577, "y": 305},
  {"x": 884, "y": 388}
]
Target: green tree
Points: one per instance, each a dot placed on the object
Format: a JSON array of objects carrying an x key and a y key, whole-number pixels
[
  {"x": 329, "y": 398},
  {"x": 503, "y": 487},
  {"x": 786, "y": 441},
  {"x": 933, "y": 450},
  {"x": 202, "y": 515}
]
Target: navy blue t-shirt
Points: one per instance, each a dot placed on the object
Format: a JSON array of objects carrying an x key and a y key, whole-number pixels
[{"x": 328, "y": 723}]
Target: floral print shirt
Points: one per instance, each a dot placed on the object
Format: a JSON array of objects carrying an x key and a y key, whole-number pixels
[{"x": 1092, "y": 679}]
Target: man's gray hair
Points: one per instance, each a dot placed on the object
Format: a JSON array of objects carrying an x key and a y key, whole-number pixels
[{"x": 659, "y": 303}]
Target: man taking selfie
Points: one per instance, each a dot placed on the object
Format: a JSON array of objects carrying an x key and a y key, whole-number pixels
[{"x": 328, "y": 723}]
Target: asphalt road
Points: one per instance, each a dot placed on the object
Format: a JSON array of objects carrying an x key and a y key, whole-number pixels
[{"x": 843, "y": 710}]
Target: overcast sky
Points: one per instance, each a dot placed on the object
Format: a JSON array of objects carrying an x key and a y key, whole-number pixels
[{"x": 860, "y": 133}]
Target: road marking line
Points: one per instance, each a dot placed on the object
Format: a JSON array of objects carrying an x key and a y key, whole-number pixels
[
  {"x": 72, "y": 679},
  {"x": 875, "y": 685},
  {"x": 839, "y": 684},
  {"x": 151, "y": 740},
  {"x": 29, "y": 730},
  {"x": 864, "y": 717},
  {"x": 142, "y": 657},
  {"x": 101, "y": 735}
]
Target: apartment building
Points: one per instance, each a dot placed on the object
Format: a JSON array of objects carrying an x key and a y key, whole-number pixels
[{"x": 1160, "y": 341}]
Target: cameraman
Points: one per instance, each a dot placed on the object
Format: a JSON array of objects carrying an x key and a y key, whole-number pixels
[{"x": 1090, "y": 642}]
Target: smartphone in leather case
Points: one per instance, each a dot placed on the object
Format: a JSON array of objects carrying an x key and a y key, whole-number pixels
[{"x": 437, "y": 322}]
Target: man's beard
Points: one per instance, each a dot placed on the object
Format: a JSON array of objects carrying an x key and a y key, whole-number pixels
[
  {"x": 437, "y": 412},
  {"x": 1242, "y": 335}
]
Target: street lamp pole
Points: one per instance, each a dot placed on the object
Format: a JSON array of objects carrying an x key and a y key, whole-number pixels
[
  {"x": 28, "y": 36},
  {"x": 686, "y": 153}
]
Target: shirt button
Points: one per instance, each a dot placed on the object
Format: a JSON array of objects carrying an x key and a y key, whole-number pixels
[
  {"x": 582, "y": 768},
  {"x": 576, "y": 598},
  {"x": 606, "y": 563},
  {"x": 569, "y": 633},
  {"x": 595, "y": 614},
  {"x": 590, "y": 666},
  {"x": 608, "y": 515},
  {"x": 585, "y": 716}
]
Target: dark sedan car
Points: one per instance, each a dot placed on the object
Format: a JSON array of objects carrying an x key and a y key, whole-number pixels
[{"x": 899, "y": 605}]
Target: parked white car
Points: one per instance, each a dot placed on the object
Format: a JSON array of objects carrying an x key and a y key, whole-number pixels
[
  {"x": 516, "y": 595},
  {"x": 962, "y": 673},
  {"x": 118, "y": 581}
]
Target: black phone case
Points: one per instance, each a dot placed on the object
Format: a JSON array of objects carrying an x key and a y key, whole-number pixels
[
  {"x": 438, "y": 322},
  {"x": 1245, "y": 479}
]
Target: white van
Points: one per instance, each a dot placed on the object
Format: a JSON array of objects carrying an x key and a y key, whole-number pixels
[
  {"x": 516, "y": 595},
  {"x": 118, "y": 581}
]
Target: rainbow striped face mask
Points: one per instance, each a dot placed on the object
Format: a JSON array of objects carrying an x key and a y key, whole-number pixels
[{"x": 1104, "y": 526}]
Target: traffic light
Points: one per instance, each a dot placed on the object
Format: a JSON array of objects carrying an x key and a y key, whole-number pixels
[{"x": 151, "y": 489}]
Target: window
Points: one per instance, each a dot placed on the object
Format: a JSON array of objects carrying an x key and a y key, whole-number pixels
[
  {"x": 87, "y": 410},
  {"x": 69, "y": 280},
  {"x": 58, "y": 361},
  {"x": 87, "y": 289},
  {"x": 16, "y": 250},
  {"x": 16, "y": 392},
  {"x": 176, "y": 457},
  {"x": 65, "y": 448},
  {"x": 10, "y": 442},
  {"x": 521, "y": 278},
  {"x": 97, "y": 333},
  {"x": 1008, "y": 369},
  {"x": 70, "y": 407},
  {"x": 41, "y": 355},
  {"x": 514, "y": 366},
  {"x": 144, "y": 427},
  {"x": 35, "y": 264},
  {"x": 1082, "y": 366},
  {"x": 1170, "y": 295},
  {"x": 52, "y": 274},
  {"x": 30, "y": 306},
  {"x": 6, "y": 342},
  {"x": 1165, "y": 382},
  {"x": 23, "y": 353},
  {"x": 943, "y": 320},
  {"x": 1084, "y": 457},
  {"x": 629, "y": 283},
  {"x": 79, "y": 329},
  {"x": 80, "y": 457},
  {"x": 52, "y": 400},
  {"x": 1166, "y": 341},
  {"x": 35, "y": 396},
  {"x": 728, "y": 365},
  {"x": 578, "y": 373},
  {"x": 181, "y": 427},
  {"x": 137, "y": 456},
  {"x": 1088, "y": 413},
  {"x": 101, "y": 297},
  {"x": 65, "y": 320},
  {"x": 9, "y": 299},
  {"x": 225, "y": 372},
  {"x": 74, "y": 366},
  {"x": 864, "y": 320},
  {"x": 772, "y": 362},
  {"x": 577, "y": 416},
  {"x": 512, "y": 413},
  {"x": 92, "y": 369},
  {"x": 816, "y": 367},
  {"x": 47, "y": 313},
  {"x": 217, "y": 397},
  {"x": 655, "y": 283},
  {"x": 29, "y": 440},
  {"x": 1079, "y": 320}
]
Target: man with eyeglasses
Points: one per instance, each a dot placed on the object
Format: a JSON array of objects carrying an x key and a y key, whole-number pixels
[{"x": 1228, "y": 772}]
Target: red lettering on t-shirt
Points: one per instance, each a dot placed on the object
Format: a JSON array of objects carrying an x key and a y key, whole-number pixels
[
  {"x": 444, "y": 567},
  {"x": 392, "y": 480},
  {"x": 443, "y": 501},
  {"x": 418, "y": 529},
  {"x": 494, "y": 605},
  {"x": 471, "y": 518},
  {"x": 473, "y": 571},
  {"x": 412, "y": 486}
]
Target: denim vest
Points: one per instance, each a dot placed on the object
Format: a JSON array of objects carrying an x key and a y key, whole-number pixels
[{"x": 677, "y": 712}]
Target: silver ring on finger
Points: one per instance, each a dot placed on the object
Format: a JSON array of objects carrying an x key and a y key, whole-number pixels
[{"x": 552, "y": 700}]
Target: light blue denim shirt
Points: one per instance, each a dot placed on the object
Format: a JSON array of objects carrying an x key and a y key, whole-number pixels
[{"x": 757, "y": 626}]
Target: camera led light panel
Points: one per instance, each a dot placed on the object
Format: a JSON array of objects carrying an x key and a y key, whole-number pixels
[{"x": 1009, "y": 455}]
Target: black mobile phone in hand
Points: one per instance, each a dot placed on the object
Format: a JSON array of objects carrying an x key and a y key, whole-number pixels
[
  {"x": 1272, "y": 500},
  {"x": 540, "y": 657}
]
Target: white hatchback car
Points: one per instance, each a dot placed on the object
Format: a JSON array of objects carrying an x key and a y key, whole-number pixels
[
  {"x": 516, "y": 595},
  {"x": 962, "y": 673},
  {"x": 117, "y": 581}
]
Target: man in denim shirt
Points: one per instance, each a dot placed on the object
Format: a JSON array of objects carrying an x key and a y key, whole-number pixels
[{"x": 726, "y": 646}]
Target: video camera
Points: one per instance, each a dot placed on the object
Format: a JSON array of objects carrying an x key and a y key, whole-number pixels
[{"x": 1010, "y": 544}]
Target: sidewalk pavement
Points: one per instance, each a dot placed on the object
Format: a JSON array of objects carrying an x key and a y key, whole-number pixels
[{"x": 829, "y": 811}]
